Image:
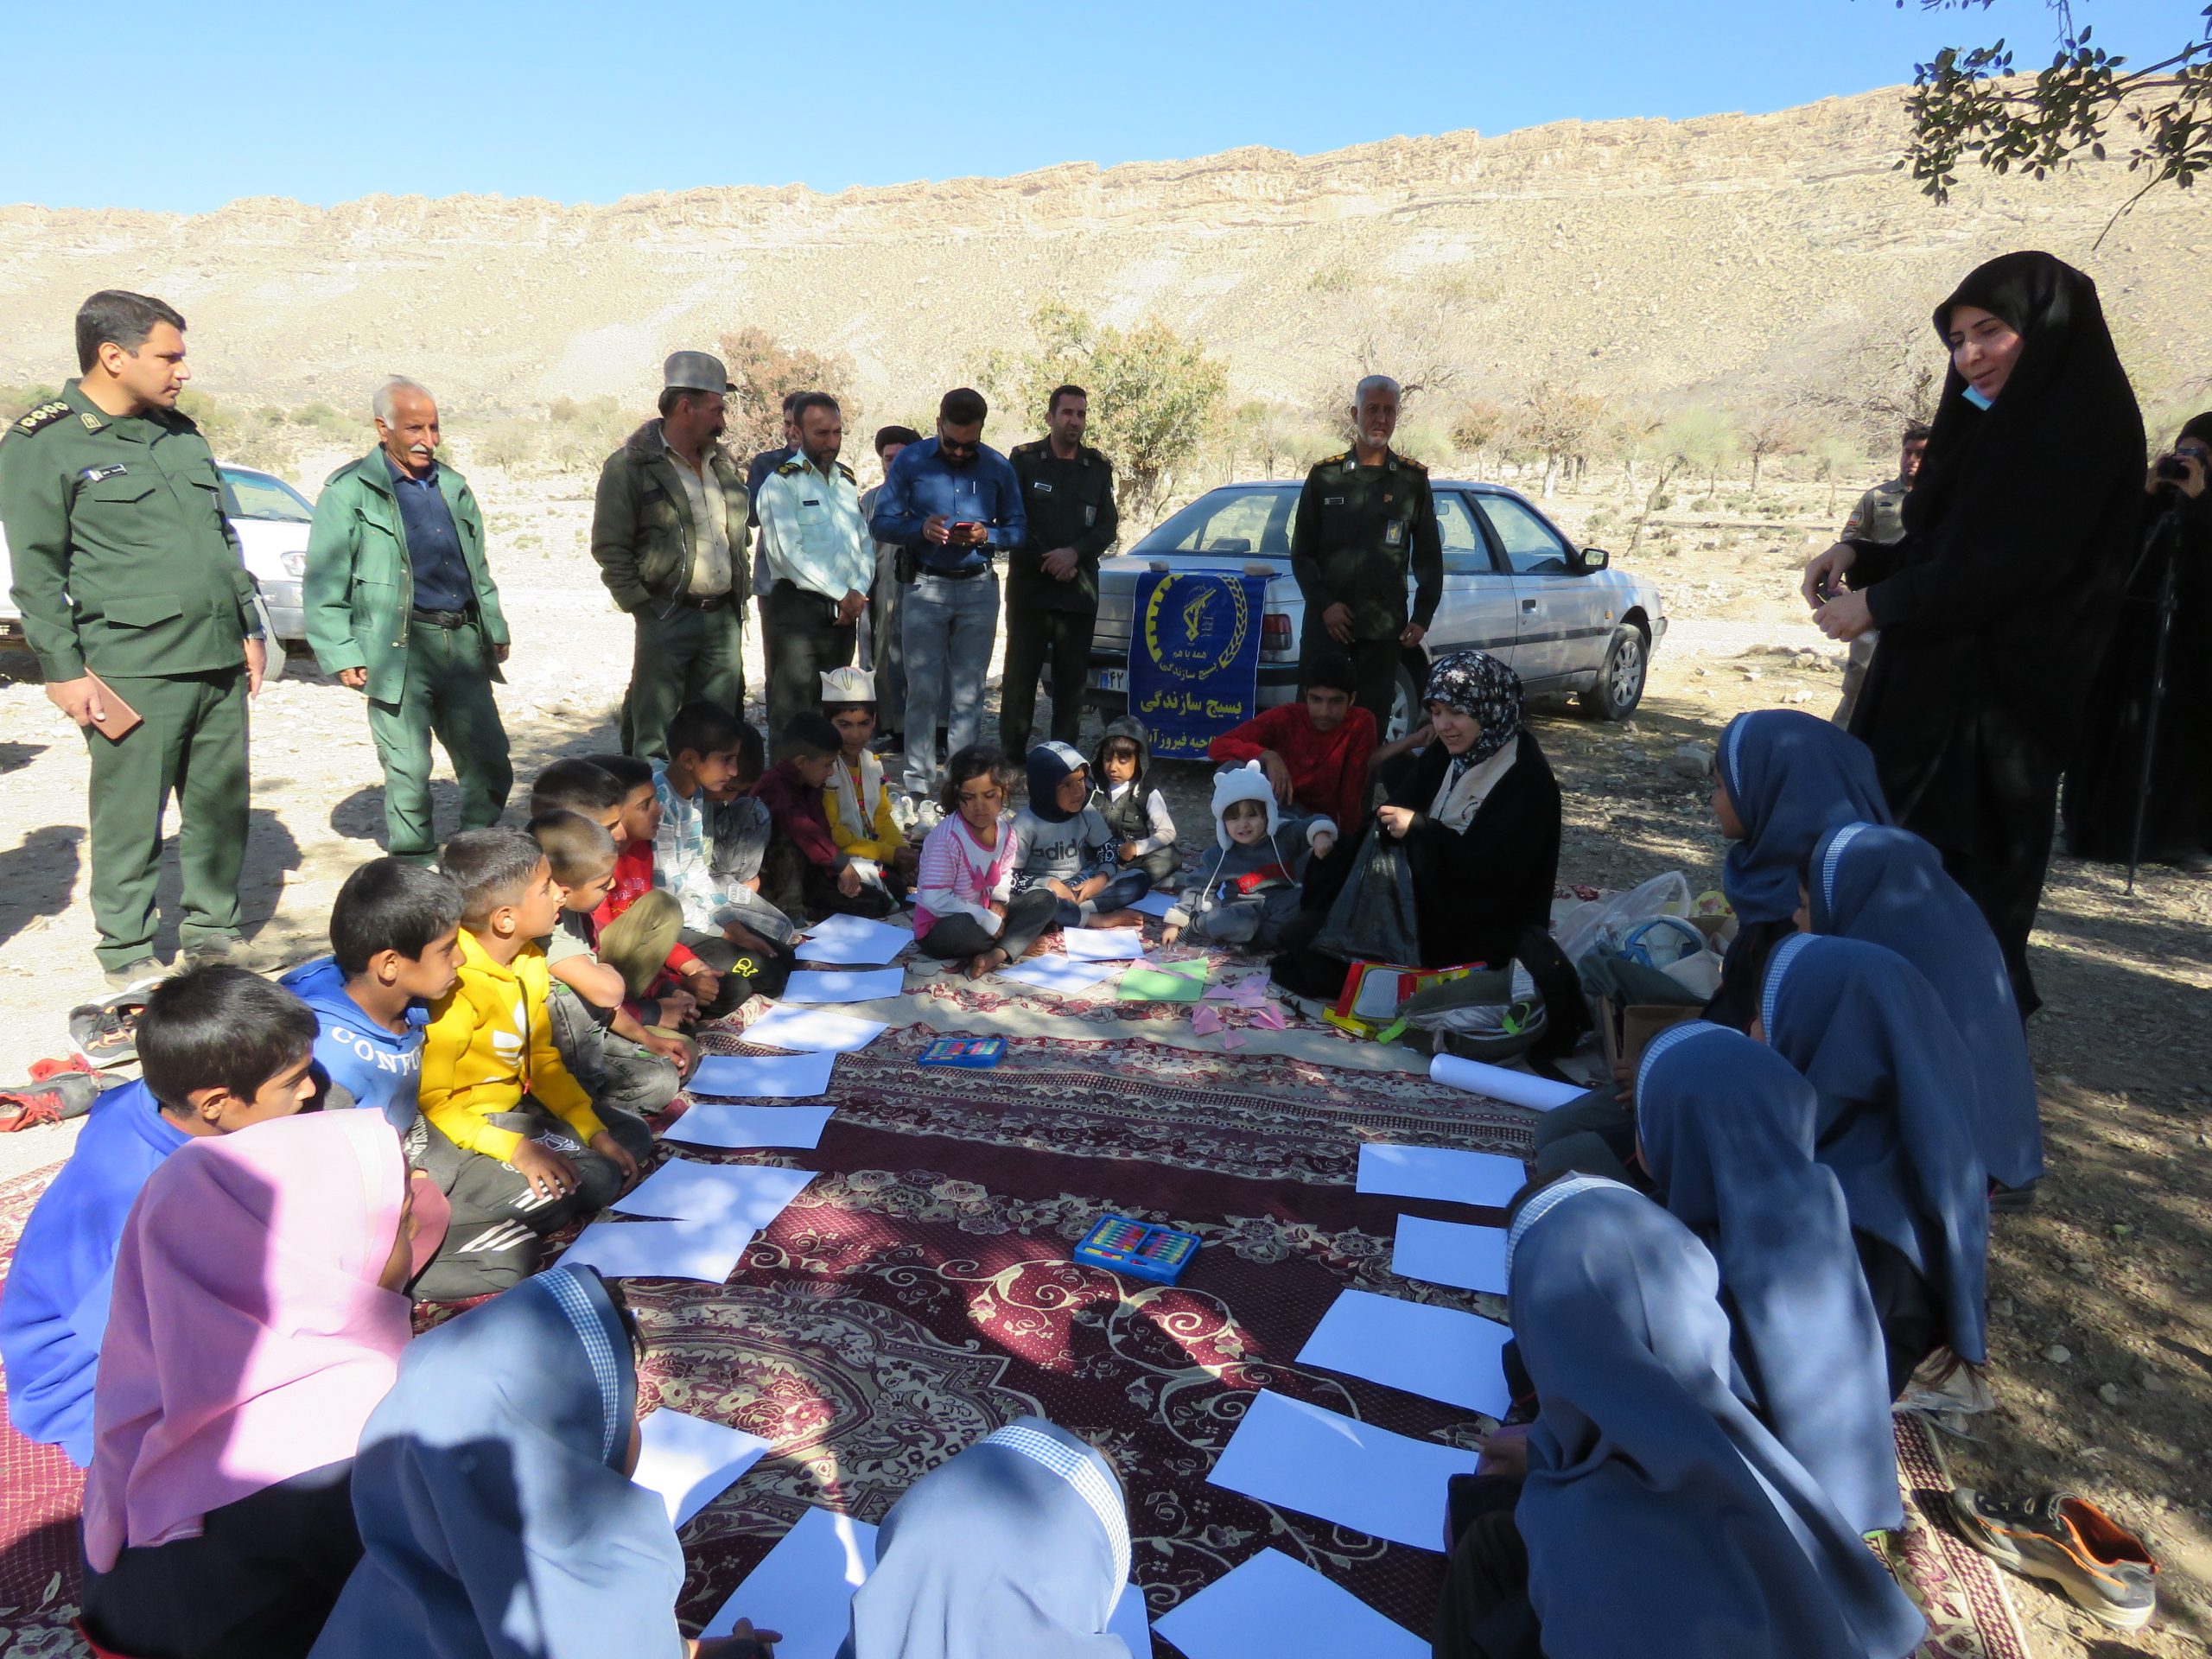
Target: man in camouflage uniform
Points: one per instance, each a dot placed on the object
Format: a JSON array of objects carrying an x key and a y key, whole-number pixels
[
  {"x": 1364, "y": 518},
  {"x": 1878, "y": 518},
  {"x": 136, "y": 600}
]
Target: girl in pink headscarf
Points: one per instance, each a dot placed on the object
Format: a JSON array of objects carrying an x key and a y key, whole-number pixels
[{"x": 258, "y": 1316}]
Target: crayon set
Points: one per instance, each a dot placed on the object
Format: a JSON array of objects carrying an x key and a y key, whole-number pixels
[
  {"x": 1158, "y": 1254},
  {"x": 971, "y": 1052}
]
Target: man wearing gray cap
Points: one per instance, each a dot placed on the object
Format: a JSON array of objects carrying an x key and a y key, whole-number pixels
[{"x": 669, "y": 531}]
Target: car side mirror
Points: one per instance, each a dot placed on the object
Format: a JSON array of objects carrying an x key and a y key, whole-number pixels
[{"x": 1595, "y": 558}]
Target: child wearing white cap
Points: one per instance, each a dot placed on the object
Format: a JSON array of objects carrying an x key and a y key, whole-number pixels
[{"x": 862, "y": 819}]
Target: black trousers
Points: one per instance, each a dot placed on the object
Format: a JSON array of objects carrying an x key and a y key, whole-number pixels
[
  {"x": 809, "y": 642},
  {"x": 1028, "y": 916},
  {"x": 1373, "y": 665},
  {"x": 1037, "y": 638},
  {"x": 1484, "y": 1611}
]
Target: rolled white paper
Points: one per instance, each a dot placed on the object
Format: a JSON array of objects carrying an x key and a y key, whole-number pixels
[{"x": 1514, "y": 1088}]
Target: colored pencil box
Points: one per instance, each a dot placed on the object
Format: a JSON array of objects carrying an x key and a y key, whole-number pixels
[
  {"x": 1158, "y": 1254},
  {"x": 971, "y": 1052}
]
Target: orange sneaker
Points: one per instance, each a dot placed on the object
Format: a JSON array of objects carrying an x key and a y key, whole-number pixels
[{"x": 2070, "y": 1542}]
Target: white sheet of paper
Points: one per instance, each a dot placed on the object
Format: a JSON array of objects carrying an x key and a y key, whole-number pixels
[
  {"x": 691, "y": 1462},
  {"x": 1156, "y": 904},
  {"x": 778, "y": 1077},
  {"x": 853, "y": 942},
  {"x": 1059, "y": 973},
  {"x": 709, "y": 1124},
  {"x": 845, "y": 985},
  {"x": 803, "y": 1587},
  {"x": 1102, "y": 944},
  {"x": 1483, "y": 1177},
  {"x": 1437, "y": 1352},
  {"x": 741, "y": 1197},
  {"x": 812, "y": 1031},
  {"x": 1338, "y": 1468},
  {"x": 1502, "y": 1083},
  {"x": 1444, "y": 1253},
  {"x": 659, "y": 1249},
  {"x": 1272, "y": 1604}
]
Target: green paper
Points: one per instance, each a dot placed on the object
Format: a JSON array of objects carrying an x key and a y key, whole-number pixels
[{"x": 1178, "y": 981}]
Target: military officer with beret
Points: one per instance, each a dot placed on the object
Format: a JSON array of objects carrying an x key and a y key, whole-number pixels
[
  {"x": 1363, "y": 517},
  {"x": 136, "y": 601},
  {"x": 401, "y": 606},
  {"x": 819, "y": 561},
  {"x": 1052, "y": 583},
  {"x": 668, "y": 529}
]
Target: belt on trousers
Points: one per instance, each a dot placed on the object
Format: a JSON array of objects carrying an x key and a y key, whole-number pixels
[
  {"x": 969, "y": 575},
  {"x": 700, "y": 601},
  {"x": 441, "y": 618}
]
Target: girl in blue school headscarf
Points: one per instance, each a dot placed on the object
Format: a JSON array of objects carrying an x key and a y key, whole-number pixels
[
  {"x": 1783, "y": 777},
  {"x": 1659, "y": 1516},
  {"x": 494, "y": 1494},
  {"x": 1726, "y": 1128},
  {"x": 1888, "y": 886},
  {"x": 1019, "y": 1545},
  {"x": 1895, "y": 1086}
]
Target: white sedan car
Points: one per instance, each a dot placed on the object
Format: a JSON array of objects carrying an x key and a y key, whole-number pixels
[{"x": 271, "y": 519}]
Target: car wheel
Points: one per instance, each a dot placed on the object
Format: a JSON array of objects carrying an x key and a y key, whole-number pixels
[
  {"x": 1405, "y": 706},
  {"x": 1620, "y": 681}
]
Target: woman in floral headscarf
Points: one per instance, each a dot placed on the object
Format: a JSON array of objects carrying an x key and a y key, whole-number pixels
[{"x": 1478, "y": 816}]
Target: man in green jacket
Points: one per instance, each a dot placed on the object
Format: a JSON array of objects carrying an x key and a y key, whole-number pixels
[
  {"x": 1052, "y": 590},
  {"x": 136, "y": 603},
  {"x": 668, "y": 529},
  {"x": 400, "y": 606}
]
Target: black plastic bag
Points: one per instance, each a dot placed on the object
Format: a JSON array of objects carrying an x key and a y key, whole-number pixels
[{"x": 1373, "y": 918}]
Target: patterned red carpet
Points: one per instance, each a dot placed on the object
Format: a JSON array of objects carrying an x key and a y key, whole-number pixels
[{"x": 921, "y": 1293}]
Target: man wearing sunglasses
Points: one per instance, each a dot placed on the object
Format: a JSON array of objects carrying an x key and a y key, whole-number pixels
[{"x": 946, "y": 504}]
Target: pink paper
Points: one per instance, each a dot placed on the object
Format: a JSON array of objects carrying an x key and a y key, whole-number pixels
[
  {"x": 1204, "y": 1021},
  {"x": 1252, "y": 993},
  {"x": 1232, "y": 1039},
  {"x": 1272, "y": 1019}
]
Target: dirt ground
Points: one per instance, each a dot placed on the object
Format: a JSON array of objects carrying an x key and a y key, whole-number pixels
[{"x": 2101, "y": 1316}]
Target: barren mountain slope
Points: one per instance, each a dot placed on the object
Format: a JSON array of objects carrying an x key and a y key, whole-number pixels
[{"x": 1644, "y": 256}]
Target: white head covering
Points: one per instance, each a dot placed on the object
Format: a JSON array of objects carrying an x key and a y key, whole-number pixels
[
  {"x": 849, "y": 685},
  {"x": 1244, "y": 783}
]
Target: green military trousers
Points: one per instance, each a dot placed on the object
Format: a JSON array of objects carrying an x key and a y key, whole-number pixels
[
  {"x": 447, "y": 695},
  {"x": 192, "y": 744},
  {"x": 683, "y": 655}
]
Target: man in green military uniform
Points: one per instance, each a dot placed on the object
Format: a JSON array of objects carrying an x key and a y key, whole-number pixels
[
  {"x": 668, "y": 529},
  {"x": 1052, "y": 590},
  {"x": 1362, "y": 517},
  {"x": 400, "y": 606},
  {"x": 136, "y": 601}
]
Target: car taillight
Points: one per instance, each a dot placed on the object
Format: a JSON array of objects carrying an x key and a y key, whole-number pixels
[{"x": 1274, "y": 632}]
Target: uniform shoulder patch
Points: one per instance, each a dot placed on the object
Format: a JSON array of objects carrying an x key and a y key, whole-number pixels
[
  {"x": 1331, "y": 460},
  {"x": 851, "y": 477},
  {"x": 1411, "y": 465},
  {"x": 1098, "y": 455},
  {"x": 790, "y": 468},
  {"x": 1033, "y": 447},
  {"x": 44, "y": 416}
]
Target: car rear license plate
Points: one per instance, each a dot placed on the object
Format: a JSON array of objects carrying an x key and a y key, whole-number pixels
[{"x": 1113, "y": 679}]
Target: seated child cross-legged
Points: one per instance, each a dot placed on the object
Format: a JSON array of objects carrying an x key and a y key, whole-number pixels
[
  {"x": 1062, "y": 846},
  {"x": 220, "y": 1049},
  {"x": 965, "y": 861},
  {"x": 1247, "y": 890},
  {"x": 861, "y": 822},
  {"x": 640, "y": 926},
  {"x": 709, "y": 848},
  {"x": 395, "y": 943},
  {"x": 806, "y": 869},
  {"x": 532, "y": 1152},
  {"x": 627, "y": 1067},
  {"x": 1144, "y": 833}
]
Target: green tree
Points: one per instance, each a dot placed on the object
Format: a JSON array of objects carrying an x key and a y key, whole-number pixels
[
  {"x": 1972, "y": 105},
  {"x": 1155, "y": 396}
]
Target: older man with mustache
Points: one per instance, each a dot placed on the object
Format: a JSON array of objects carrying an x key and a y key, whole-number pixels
[{"x": 401, "y": 606}]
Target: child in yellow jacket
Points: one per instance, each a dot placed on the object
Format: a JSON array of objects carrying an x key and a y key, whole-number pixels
[
  {"x": 859, "y": 801},
  {"x": 531, "y": 1151}
]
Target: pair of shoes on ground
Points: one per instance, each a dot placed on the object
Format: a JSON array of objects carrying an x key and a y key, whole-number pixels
[
  {"x": 2068, "y": 1541},
  {"x": 58, "y": 1090},
  {"x": 148, "y": 970}
]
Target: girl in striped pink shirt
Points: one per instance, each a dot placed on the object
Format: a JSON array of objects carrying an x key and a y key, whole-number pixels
[{"x": 962, "y": 861}]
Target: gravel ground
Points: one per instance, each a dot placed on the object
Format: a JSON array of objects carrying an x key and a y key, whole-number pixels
[{"x": 2101, "y": 1321}]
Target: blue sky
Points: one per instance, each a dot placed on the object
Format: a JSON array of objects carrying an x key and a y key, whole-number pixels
[{"x": 588, "y": 101}]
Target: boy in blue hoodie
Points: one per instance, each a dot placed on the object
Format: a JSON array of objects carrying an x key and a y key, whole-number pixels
[
  {"x": 395, "y": 945},
  {"x": 220, "y": 1049}
]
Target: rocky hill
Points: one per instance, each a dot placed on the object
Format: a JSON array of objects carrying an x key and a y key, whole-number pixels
[{"x": 1713, "y": 256}]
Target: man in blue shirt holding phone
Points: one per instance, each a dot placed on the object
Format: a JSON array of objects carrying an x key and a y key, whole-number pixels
[{"x": 946, "y": 503}]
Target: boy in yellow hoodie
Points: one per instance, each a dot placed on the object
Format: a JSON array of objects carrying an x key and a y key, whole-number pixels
[
  {"x": 532, "y": 1152},
  {"x": 862, "y": 821}
]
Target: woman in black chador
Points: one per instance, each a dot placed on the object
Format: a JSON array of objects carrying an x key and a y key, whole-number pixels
[
  {"x": 2106, "y": 779},
  {"x": 1995, "y": 608}
]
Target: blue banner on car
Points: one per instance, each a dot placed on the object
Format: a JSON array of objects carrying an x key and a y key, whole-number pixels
[{"x": 1194, "y": 658}]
